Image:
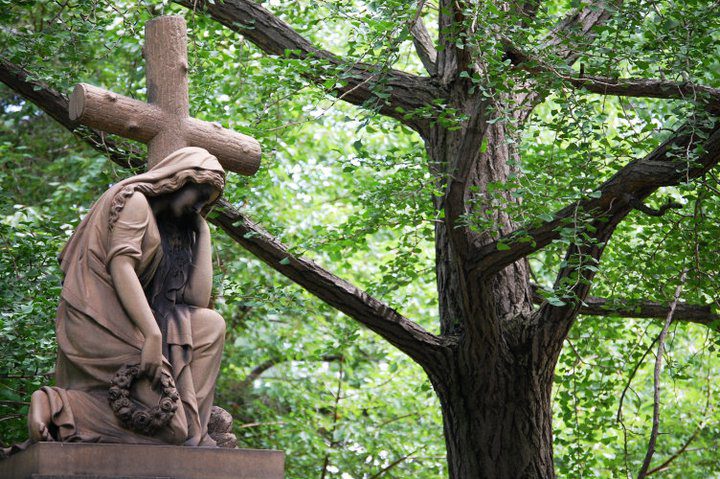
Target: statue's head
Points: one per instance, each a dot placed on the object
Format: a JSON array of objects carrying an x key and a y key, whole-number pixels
[
  {"x": 191, "y": 198},
  {"x": 186, "y": 181}
]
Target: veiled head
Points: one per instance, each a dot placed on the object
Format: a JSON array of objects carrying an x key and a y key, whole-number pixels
[{"x": 188, "y": 179}]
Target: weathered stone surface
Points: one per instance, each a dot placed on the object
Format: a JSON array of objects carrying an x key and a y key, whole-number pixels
[
  {"x": 220, "y": 428},
  {"x": 49, "y": 460}
]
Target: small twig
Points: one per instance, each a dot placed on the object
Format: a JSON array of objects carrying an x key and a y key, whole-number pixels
[
  {"x": 642, "y": 207},
  {"x": 15, "y": 403},
  {"x": 693, "y": 436},
  {"x": 11, "y": 416},
  {"x": 632, "y": 376},
  {"x": 33, "y": 376},
  {"x": 266, "y": 365},
  {"x": 393, "y": 464},
  {"x": 656, "y": 381},
  {"x": 258, "y": 424},
  {"x": 336, "y": 417}
]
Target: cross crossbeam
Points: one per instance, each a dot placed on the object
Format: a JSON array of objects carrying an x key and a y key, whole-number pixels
[{"x": 164, "y": 123}]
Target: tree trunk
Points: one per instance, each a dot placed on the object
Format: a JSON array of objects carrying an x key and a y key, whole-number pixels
[
  {"x": 497, "y": 419},
  {"x": 495, "y": 385}
]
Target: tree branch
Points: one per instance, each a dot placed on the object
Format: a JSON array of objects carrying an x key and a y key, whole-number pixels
[
  {"x": 424, "y": 45},
  {"x": 530, "y": 8},
  {"x": 627, "y": 87},
  {"x": 261, "y": 368},
  {"x": 338, "y": 293},
  {"x": 577, "y": 27},
  {"x": 643, "y": 208},
  {"x": 594, "y": 306},
  {"x": 648, "y": 88},
  {"x": 362, "y": 81},
  {"x": 393, "y": 464},
  {"x": 574, "y": 279},
  {"x": 664, "y": 466},
  {"x": 56, "y": 106},
  {"x": 447, "y": 58},
  {"x": 656, "y": 382},
  {"x": 638, "y": 179}
]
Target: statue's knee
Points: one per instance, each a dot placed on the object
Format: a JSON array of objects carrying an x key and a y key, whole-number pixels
[
  {"x": 218, "y": 323},
  {"x": 213, "y": 323}
]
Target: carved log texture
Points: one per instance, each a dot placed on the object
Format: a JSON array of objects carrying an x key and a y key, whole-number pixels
[
  {"x": 166, "y": 63},
  {"x": 113, "y": 113},
  {"x": 140, "y": 121}
]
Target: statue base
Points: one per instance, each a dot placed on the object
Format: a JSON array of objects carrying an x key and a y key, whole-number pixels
[{"x": 55, "y": 460}]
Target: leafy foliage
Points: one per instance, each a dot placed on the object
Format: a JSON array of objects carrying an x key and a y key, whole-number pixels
[{"x": 352, "y": 190}]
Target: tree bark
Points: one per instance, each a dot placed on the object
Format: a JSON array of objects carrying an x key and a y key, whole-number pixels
[
  {"x": 497, "y": 418},
  {"x": 495, "y": 384}
]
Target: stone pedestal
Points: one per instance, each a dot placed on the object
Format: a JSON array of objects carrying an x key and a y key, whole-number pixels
[{"x": 53, "y": 460}]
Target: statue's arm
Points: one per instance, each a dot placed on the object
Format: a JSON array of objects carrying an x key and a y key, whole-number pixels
[
  {"x": 130, "y": 292},
  {"x": 199, "y": 287}
]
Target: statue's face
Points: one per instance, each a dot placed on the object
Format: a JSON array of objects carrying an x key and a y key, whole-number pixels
[{"x": 191, "y": 198}]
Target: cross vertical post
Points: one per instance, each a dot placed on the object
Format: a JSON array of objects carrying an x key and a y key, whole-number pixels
[{"x": 166, "y": 70}]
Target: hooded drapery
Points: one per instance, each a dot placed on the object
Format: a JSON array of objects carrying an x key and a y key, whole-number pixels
[{"x": 94, "y": 333}]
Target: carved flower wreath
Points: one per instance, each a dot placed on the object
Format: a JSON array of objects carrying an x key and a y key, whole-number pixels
[{"x": 138, "y": 418}]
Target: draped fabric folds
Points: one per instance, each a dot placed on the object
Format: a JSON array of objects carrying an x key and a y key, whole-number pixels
[{"x": 96, "y": 337}]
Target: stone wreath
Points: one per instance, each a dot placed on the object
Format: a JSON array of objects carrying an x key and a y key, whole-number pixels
[{"x": 137, "y": 418}]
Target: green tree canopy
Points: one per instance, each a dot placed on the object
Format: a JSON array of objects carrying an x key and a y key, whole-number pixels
[{"x": 505, "y": 194}]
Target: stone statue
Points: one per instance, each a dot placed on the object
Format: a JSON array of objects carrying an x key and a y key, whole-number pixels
[{"x": 138, "y": 347}]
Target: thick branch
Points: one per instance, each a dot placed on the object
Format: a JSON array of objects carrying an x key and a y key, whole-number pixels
[
  {"x": 567, "y": 40},
  {"x": 638, "y": 179},
  {"x": 424, "y": 46},
  {"x": 627, "y": 87},
  {"x": 691, "y": 313},
  {"x": 576, "y": 274},
  {"x": 574, "y": 31},
  {"x": 388, "y": 323},
  {"x": 448, "y": 26},
  {"x": 338, "y": 293},
  {"x": 363, "y": 81},
  {"x": 56, "y": 105},
  {"x": 648, "y": 88}
]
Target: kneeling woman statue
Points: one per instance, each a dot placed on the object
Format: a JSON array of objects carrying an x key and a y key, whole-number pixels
[{"x": 138, "y": 349}]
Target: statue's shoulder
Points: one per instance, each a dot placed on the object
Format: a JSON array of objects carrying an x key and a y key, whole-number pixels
[{"x": 136, "y": 209}]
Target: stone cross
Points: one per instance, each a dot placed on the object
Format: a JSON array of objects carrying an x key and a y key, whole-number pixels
[{"x": 164, "y": 123}]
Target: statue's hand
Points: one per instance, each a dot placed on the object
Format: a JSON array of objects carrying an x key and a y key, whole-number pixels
[{"x": 151, "y": 359}]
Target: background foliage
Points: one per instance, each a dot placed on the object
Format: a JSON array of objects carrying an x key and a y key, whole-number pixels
[{"x": 350, "y": 189}]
